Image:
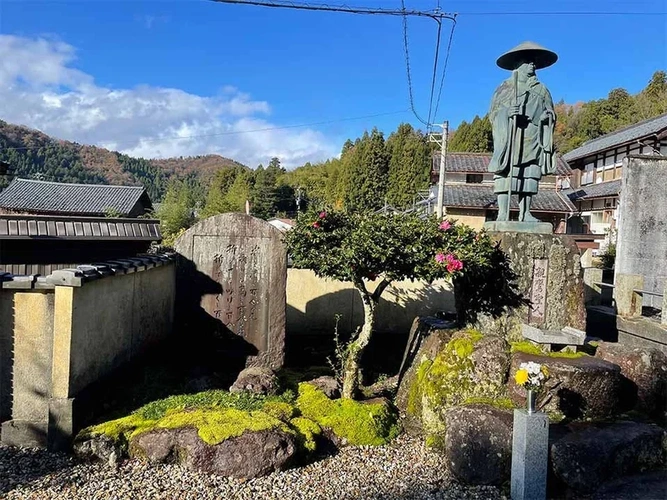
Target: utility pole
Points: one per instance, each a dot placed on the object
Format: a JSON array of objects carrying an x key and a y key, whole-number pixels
[{"x": 440, "y": 205}]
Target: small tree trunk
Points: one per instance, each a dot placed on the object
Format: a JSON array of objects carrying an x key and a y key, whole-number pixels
[{"x": 356, "y": 349}]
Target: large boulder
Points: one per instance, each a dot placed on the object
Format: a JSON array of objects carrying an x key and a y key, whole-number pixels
[
  {"x": 252, "y": 454},
  {"x": 638, "y": 487},
  {"x": 478, "y": 444},
  {"x": 467, "y": 368},
  {"x": 428, "y": 336},
  {"x": 645, "y": 373},
  {"x": 578, "y": 387},
  {"x": 586, "y": 458},
  {"x": 256, "y": 379}
]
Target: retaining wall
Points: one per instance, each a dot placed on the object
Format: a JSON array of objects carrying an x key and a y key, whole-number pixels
[{"x": 61, "y": 333}]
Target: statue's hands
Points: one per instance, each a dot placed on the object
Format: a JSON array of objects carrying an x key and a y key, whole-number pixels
[
  {"x": 515, "y": 111},
  {"x": 546, "y": 116}
]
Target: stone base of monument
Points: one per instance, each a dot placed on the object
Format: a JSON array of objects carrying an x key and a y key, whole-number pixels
[
  {"x": 555, "y": 339},
  {"x": 530, "y": 454},
  {"x": 549, "y": 276},
  {"x": 520, "y": 227}
]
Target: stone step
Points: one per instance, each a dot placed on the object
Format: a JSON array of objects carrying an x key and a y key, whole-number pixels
[{"x": 567, "y": 336}]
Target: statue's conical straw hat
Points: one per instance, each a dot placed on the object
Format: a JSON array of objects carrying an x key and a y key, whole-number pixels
[{"x": 527, "y": 51}]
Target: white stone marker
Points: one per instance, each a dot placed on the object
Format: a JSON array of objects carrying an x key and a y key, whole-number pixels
[{"x": 530, "y": 454}]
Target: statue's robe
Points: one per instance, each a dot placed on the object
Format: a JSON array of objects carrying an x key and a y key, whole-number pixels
[{"x": 532, "y": 149}]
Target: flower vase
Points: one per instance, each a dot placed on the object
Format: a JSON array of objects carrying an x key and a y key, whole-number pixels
[{"x": 530, "y": 400}]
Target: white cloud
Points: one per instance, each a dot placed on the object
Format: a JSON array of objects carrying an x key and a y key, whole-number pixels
[{"x": 40, "y": 88}]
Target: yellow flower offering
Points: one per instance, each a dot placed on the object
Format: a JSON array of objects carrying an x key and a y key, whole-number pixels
[{"x": 521, "y": 376}]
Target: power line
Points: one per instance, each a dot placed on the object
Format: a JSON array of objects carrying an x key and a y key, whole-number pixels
[
  {"x": 407, "y": 67},
  {"x": 444, "y": 69},
  {"x": 563, "y": 13},
  {"x": 236, "y": 132},
  {"x": 435, "y": 71},
  {"x": 288, "y": 4}
]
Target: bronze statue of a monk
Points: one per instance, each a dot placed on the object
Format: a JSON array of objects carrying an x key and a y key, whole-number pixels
[{"x": 523, "y": 120}]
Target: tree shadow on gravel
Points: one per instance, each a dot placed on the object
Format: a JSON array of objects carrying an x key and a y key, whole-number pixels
[{"x": 19, "y": 467}]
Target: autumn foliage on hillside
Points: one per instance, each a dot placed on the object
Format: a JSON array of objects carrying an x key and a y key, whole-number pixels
[{"x": 35, "y": 155}]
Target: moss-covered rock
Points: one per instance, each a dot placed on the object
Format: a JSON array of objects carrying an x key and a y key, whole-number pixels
[
  {"x": 469, "y": 368},
  {"x": 583, "y": 387},
  {"x": 216, "y": 416},
  {"x": 353, "y": 422},
  {"x": 251, "y": 454}
]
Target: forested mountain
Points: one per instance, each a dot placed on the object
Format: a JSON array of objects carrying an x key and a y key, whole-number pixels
[{"x": 35, "y": 155}]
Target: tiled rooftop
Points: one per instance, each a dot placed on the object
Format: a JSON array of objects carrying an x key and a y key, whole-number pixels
[
  {"x": 482, "y": 196},
  {"x": 478, "y": 163},
  {"x": 77, "y": 199},
  {"x": 631, "y": 133}
]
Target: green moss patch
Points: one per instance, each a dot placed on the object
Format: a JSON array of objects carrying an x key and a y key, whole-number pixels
[
  {"x": 502, "y": 403},
  {"x": 210, "y": 399},
  {"x": 217, "y": 415},
  {"x": 357, "y": 422},
  {"x": 528, "y": 347},
  {"x": 215, "y": 426},
  {"x": 280, "y": 410},
  {"x": 307, "y": 432}
]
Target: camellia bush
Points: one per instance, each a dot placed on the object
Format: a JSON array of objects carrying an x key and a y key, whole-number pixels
[{"x": 362, "y": 247}]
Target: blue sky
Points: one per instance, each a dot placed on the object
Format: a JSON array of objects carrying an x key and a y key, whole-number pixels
[{"x": 136, "y": 75}]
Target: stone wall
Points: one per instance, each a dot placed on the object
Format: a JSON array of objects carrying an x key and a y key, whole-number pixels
[
  {"x": 642, "y": 226},
  {"x": 312, "y": 304},
  {"x": 63, "y": 332}
]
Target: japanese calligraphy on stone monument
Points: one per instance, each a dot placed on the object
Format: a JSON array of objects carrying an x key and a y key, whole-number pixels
[
  {"x": 247, "y": 258},
  {"x": 538, "y": 291}
]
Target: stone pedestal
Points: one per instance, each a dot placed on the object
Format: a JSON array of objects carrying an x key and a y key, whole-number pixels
[
  {"x": 520, "y": 227},
  {"x": 530, "y": 454},
  {"x": 550, "y": 276}
]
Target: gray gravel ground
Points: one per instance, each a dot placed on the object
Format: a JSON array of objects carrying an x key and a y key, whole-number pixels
[{"x": 401, "y": 470}]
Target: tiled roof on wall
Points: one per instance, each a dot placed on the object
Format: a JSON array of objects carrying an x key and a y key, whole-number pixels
[
  {"x": 77, "y": 199},
  {"x": 78, "y": 228}
]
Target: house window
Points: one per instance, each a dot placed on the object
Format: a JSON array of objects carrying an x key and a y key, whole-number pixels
[
  {"x": 474, "y": 178},
  {"x": 587, "y": 176}
]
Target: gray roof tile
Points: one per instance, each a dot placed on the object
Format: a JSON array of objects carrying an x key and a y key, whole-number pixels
[
  {"x": 482, "y": 196},
  {"x": 631, "y": 133},
  {"x": 478, "y": 163},
  {"x": 601, "y": 190},
  {"x": 59, "y": 198}
]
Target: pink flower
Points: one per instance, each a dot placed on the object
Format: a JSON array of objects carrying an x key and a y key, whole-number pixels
[
  {"x": 440, "y": 258},
  {"x": 445, "y": 225},
  {"x": 323, "y": 215},
  {"x": 316, "y": 224},
  {"x": 453, "y": 264}
]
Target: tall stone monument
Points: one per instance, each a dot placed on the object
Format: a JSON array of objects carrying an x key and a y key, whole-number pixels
[
  {"x": 232, "y": 280},
  {"x": 523, "y": 120}
]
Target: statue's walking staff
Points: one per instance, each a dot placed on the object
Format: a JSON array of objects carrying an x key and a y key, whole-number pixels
[{"x": 510, "y": 166}]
